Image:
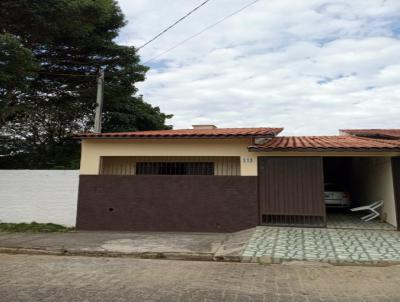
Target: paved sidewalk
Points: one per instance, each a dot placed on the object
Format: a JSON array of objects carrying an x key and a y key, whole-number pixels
[
  {"x": 260, "y": 244},
  {"x": 194, "y": 246},
  {"x": 27, "y": 278}
]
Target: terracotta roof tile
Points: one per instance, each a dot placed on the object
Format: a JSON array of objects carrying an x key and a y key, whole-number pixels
[
  {"x": 190, "y": 133},
  {"x": 326, "y": 143},
  {"x": 384, "y": 133}
]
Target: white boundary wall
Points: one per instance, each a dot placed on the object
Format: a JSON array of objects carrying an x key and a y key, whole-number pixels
[{"x": 39, "y": 195}]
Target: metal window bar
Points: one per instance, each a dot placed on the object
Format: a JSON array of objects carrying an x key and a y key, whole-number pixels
[
  {"x": 171, "y": 165},
  {"x": 174, "y": 168}
]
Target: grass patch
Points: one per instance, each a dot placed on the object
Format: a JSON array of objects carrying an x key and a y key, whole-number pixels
[{"x": 33, "y": 227}]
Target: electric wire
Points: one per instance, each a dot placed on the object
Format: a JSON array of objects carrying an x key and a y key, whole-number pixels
[
  {"x": 62, "y": 74},
  {"x": 202, "y": 31},
  {"x": 172, "y": 25}
]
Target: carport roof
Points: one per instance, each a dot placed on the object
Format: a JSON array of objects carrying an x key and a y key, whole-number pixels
[
  {"x": 190, "y": 133},
  {"x": 325, "y": 143},
  {"x": 382, "y": 133}
]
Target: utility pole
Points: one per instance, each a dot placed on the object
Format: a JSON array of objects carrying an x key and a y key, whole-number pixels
[{"x": 99, "y": 101}]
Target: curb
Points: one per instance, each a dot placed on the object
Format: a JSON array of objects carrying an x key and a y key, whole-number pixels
[
  {"x": 263, "y": 260},
  {"x": 26, "y": 251},
  {"x": 143, "y": 255},
  {"x": 335, "y": 262}
]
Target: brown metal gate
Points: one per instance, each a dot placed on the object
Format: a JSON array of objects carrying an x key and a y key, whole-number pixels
[
  {"x": 291, "y": 191},
  {"x": 396, "y": 183}
]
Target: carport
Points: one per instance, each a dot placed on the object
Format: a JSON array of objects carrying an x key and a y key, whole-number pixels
[
  {"x": 359, "y": 181},
  {"x": 294, "y": 173}
]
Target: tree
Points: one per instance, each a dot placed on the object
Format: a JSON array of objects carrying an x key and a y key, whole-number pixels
[
  {"x": 71, "y": 40},
  {"x": 17, "y": 70}
]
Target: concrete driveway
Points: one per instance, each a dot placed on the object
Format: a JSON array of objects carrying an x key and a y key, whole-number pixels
[{"x": 336, "y": 246}]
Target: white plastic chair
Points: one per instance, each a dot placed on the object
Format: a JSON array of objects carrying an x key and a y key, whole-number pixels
[{"x": 371, "y": 207}]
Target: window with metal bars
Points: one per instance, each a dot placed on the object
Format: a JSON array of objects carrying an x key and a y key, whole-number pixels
[
  {"x": 174, "y": 168},
  {"x": 170, "y": 165}
]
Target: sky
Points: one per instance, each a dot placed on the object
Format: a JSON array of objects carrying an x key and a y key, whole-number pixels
[{"x": 310, "y": 66}]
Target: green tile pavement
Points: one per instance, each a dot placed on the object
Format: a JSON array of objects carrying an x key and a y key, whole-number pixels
[
  {"x": 348, "y": 220},
  {"x": 326, "y": 245}
]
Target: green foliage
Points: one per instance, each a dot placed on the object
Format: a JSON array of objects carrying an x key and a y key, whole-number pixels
[
  {"x": 33, "y": 227},
  {"x": 70, "y": 40},
  {"x": 17, "y": 70},
  {"x": 17, "y": 62}
]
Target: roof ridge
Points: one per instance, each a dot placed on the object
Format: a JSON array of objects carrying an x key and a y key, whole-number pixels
[
  {"x": 327, "y": 143},
  {"x": 388, "y": 132},
  {"x": 218, "y": 132},
  {"x": 368, "y": 129},
  {"x": 383, "y": 141}
]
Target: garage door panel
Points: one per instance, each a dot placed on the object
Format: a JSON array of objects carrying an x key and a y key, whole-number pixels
[{"x": 291, "y": 191}]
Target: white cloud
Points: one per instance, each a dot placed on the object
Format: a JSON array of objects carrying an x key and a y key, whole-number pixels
[{"x": 312, "y": 66}]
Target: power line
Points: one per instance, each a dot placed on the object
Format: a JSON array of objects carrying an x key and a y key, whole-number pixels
[
  {"x": 172, "y": 25},
  {"x": 64, "y": 74},
  {"x": 202, "y": 31}
]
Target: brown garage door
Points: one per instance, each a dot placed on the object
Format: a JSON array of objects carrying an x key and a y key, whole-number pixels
[{"x": 291, "y": 191}]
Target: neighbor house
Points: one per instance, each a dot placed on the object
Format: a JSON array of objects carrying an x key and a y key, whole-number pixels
[
  {"x": 228, "y": 179},
  {"x": 393, "y": 134}
]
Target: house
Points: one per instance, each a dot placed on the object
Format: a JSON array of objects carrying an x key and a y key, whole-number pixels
[
  {"x": 209, "y": 179},
  {"x": 373, "y": 133}
]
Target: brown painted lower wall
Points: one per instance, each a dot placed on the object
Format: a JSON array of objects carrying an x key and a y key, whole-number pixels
[{"x": 167, "y": 203}]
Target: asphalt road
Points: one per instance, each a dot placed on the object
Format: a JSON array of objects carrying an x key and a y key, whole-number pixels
[{"x": 62, "y": 278}]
